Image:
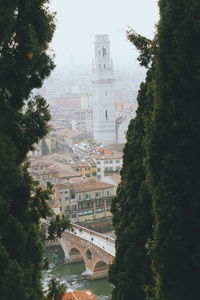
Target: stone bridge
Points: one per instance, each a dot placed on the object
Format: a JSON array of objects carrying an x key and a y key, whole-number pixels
[{"x": 95, "y": 249}]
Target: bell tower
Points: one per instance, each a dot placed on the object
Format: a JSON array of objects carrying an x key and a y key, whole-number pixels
[{"x": 104, "y": 127}]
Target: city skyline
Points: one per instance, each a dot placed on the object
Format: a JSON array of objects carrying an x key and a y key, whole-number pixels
[{"x": 79, "y": 21}]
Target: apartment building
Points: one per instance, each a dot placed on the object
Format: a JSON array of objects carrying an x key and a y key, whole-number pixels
[
  {"x": 108, "y": 164},
  {"x": 86, "y": 200},
  {"x": 85, "y": 167}
]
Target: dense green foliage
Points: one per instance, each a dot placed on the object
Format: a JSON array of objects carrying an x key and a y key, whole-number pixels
[
  {"x": 159, "y": 258},
  {"x": 57, "y": 226},
  {"x": 26, "y": 28},
  {"x": 56, "y": 290},
  {"x": 132, "y": 212},
  {"x": 131, "y": 271},
  {"x": 173, "y": 149}
]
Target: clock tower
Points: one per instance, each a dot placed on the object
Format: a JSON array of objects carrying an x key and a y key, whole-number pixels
[{"x": 104, "y": 120}]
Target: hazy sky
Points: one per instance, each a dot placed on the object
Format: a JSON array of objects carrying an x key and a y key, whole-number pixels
[{"x": 79, "y": 20}]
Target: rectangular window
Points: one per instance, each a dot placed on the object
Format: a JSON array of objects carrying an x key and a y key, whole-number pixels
[
  {"x": 67, "y": 208},
  {"x": 107, "y": 193},
  {"x": 97, "y": 194},
  {"x": 79, "y": 197},
  {"x": 87, "y": 196},
  {"x": 73, "y": 207},
  {"x": 80, "y": 206}
]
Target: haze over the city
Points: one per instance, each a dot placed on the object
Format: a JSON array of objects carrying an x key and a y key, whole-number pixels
[{"x": 79, "y": 21}]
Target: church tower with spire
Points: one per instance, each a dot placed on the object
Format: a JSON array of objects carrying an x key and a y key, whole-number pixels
[{"x": 104, "y": 120}]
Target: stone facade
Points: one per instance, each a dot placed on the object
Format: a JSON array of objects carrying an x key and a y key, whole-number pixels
[
  {"x": 77, "y": 248},
  {"x": 87, "y": 200},
  {"x": 104, "y": 125}
]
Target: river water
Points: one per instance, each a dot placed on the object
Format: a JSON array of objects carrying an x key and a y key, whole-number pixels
[{"x": 70, "y": 274}]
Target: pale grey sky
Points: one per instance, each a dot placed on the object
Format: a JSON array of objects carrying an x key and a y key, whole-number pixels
[{"x": 79, "y": 20}]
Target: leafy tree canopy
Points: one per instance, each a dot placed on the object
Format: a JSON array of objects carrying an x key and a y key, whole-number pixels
[{"x": 26, "y": 28}]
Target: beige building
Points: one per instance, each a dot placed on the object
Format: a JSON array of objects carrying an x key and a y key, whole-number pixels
[
  {"x": 108, "y": 164},
  {"x": 86, "y": 200},
  {"x": 61, "y": 140},
  {"x": 125, "y": 112},
  {"x": 46, "y": 170},
  {"x": 114, "y": 179},
  {"x": 66, "y": 138},
  {"x": 82, "y": 122}
]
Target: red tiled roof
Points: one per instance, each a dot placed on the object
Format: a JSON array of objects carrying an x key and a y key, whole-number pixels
[
  {"x": 79, "y": 295},
  {"x": 90, "y": 186}
]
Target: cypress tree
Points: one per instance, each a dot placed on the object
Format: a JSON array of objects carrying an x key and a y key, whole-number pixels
[
  {"x": 173, "y": 153},
  {"x": 132, "y": 218},
  {"x": 26, "y": 28}
]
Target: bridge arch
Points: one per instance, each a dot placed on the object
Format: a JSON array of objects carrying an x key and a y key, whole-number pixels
[
  {"x": 100, "y": 269},
  {"x": 97, "y": 253},
  {"x": 75, "y": 255},
  {"x": 100, "y": 265}
]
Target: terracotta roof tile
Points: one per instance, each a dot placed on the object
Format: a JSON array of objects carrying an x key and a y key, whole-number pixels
[
  {"x": 79, "y": 295},
  {"x": 90, "y": 186}
]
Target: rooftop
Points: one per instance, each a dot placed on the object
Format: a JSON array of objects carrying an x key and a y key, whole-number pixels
[
  {"x": 90, "y": 185},
  {"x": 113, "y": 155},
  {"x": 113, "y": 179},
  {"x": 65, "y": 132},
  {"x": 79, "y": 295}
]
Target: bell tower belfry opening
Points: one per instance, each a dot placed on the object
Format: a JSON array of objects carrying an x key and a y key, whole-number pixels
[{"x": 104, "y": 128}]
